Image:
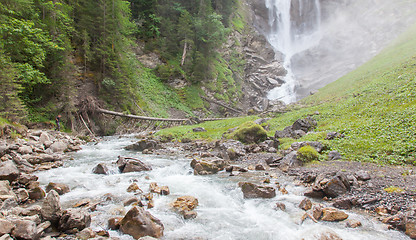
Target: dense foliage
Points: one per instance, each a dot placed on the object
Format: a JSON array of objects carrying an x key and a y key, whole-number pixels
[{"x": 52, "y": 48}]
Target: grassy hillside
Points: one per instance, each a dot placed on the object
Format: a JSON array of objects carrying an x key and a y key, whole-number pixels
[{"x": 374, "y": 106}]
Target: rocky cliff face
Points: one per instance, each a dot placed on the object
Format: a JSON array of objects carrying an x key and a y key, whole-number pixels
[{"x": 263, "y": 67}]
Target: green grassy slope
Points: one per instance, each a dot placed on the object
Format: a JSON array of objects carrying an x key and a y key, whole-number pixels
[{"x": 374, "y": 106}]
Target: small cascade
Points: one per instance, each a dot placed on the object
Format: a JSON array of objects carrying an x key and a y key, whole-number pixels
[{"x": 294, "y": 27}]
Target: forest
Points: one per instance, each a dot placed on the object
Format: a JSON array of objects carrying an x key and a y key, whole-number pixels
[{"x": 50, "y": 51}]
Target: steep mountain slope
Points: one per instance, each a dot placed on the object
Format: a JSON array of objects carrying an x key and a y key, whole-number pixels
[{"x": 373, "y": 106}]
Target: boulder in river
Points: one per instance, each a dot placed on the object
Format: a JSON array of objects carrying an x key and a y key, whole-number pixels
[
  {"x": 185, "y": 206},
  {"x": 139, "y": 223},
  {"x": 333, "y": 215},
  {"x": 208, "y": 166},
  {"x": 126, "y": 165},
  {"x": 251, "y": 190},
  {"x": 100, "y": 168}
]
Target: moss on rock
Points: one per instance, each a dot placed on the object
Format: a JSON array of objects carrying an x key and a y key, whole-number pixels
[{"x": 249, "y": 132}]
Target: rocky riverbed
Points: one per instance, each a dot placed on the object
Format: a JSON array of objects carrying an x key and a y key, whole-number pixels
[{"x": 138, "y": 188}]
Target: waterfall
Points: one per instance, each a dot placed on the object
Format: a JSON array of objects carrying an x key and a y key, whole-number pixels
[{"x": 294, "y": 27}]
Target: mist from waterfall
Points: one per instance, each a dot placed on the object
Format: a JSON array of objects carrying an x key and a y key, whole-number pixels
[
  {"x": 322, "y": 40},
  {"x": 294, "y": 27}
]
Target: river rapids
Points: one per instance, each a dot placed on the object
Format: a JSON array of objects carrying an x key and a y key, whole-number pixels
[{"x": 223, "y": 213}]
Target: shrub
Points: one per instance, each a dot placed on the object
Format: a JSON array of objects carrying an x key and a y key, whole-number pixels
[{"x": 308, "y": 154}]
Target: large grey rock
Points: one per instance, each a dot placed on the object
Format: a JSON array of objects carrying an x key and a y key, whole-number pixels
[
  {"x": 135, "y": 166},
  {"x": 251, "y": 190},
  {"x": 6, "y": 191},
  {"x": 6, "y": 226},
  {"x": 337, "y": 186},
  {"x": 363, "y": 175},
  {"x": 139, "y": 223},
  {"x": 24, "y": 229},
  {"x": 232, "y": 150},
  {"x": 334, "y": 155},
  {"x": 59, "y": 146},
  {"x": 8, "y": 171},
  {"x": 207, "y": 166},
  {"x": 22, "y": 195},
  {"x": 44, "y": 137},
  {"x": 126, "y": 165},
  {"x": 25, "y": 149},
  {"x": 43, "y": 158},
  {"x": 51, "y": 207},
  {"x": 290, "y": 161},
  {"x": 72, "y": 218}
]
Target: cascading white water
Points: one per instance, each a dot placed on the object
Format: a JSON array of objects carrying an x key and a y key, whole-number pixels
[
  {"x": 223, "y": 213},
  {"x": 294, "y": 27}
]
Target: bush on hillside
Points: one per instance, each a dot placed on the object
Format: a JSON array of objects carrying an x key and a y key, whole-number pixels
[
  {"x": 308, "y": 154},
  {"x": 249, "y": 132}
]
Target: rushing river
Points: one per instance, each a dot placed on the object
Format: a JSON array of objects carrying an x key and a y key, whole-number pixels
[{"x": 223, "y": 213}]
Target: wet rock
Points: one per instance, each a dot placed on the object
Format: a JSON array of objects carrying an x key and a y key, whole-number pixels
[
  {"x": 59, "y": 146},
  {"x": 101, "y": 168},
  {"x": 317, "y": 211},
  {"x": 6, "y": 191},
  {"x": 208, "y": 166},
  {"x": 86, "y": 233},
  {"x": 139, "y": 223},
  {"x": 127, "y": 165},
  {"x": 190, "y": 215},
  {"x": 334, "y": 155},
  {"x": 24, "y": 229},
  {"x": 353, "y": 223},
  {"x": 51, "y": 207},
  {"x": 199, "y": 129},
  {"x": 163, "y": 190},
  {"x": 72, "y": 218},
  {"x": 60, "y": 188},
  {"x": 251, "y": 190},
  {"x": 6, "y": 227},
  {"x": 362, "y": 175},
  {"x": 144, "y": 144},
  {"x": 8, "y": 171},
  {"x": 114, "y": 223},
  {"x": 306, "y": 204},
  {"x": 134, "y": 188},
  {"x": 131, "y": 201},
  {"x": 185, "y": 206},
  {"x": 411, "y": 229},
  {"x": 328, "y": 235},
  {"x": 281, "y": 206},
  {"x": 333, "y": 215}
]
